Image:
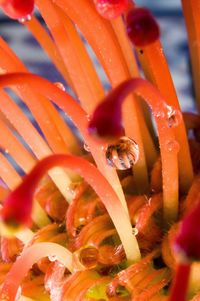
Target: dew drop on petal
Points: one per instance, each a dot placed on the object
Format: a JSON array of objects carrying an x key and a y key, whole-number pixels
[
  {"x": 25, "y": 19},
  {"x": 123, "y": 154},
  {"x": 135, "y": 231},
  {"x": 173, "y": 116},
  {"x": 60, "y": 86},
  {"x": 52, "y": 258},
  {"x": 86, "y": 147},
  {"x": 159, "y": 114},
  {"x": 172, "y": 146},
  {"x": 88, "y": 117},
  {"x": 4, "y": 150}
]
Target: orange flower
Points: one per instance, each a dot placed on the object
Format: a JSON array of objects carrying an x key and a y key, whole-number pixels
[{"x": 113, "y": 223}]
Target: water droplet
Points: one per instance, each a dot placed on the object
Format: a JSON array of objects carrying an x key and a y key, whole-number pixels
[
  {"x": 135, "y": 231},
  {"x": 160, "y": 114},
  {"x": 71, "y": 191},
  {"x": 172, "y": 146},
  {"x": 25, "y": 19},
  {"x": 52, "y": 258},
  {"x": 173, "y": 116},
  {"x": 4, "y": 150},
  {"x": 123, "y": 154},
  {"x": 86, "y": 147},
  {"x": 88, "y": 117},
  {"x": 60, "y": 86}
]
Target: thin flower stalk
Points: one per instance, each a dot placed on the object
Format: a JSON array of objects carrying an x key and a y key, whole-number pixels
[
  {"x": 35, "y": 104},
  {"x": 125, "y": 44},
  {"x": 11, "y": 145},
  {"x": 38, "y": 110},
  {"x": 64, "y": 38},
  {"x": 191, "y": 10},
  {"x": 40, "y": 34},
  {"x": 86, "y": 67},
  {"x": 64, "y": 130},
  {"x": 156, "y": 70}
]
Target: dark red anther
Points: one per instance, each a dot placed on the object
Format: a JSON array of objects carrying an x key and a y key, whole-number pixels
[
  {"x": 17, "y": 9},
  {"x": 111, "y": 9},
  {"x": 107, "y": 118},
  {"x": 141, "y": 27},
  {"x": 187, "y": 242}
]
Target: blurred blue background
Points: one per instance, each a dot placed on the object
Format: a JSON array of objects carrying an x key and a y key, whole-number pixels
[{"x": 173, "y": 37}]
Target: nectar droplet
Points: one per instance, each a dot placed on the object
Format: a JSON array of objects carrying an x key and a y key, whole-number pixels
[
  {"x": 111, "y": 9},
  {"x": 60, "y": 86},
  {"x": 123, "y": 154},
  {"x": 25, "y": 19},
  {"x": 135, "y": 231},
  {"x": 172, "y": 146},
  {"x": 52, "y": 258},
  {"x": 141, "y": 27},
  {"x": 86, "y": 147}
]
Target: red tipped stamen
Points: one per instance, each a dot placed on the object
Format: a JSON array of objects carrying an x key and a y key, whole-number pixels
[
  {"x": 142, "y": 28},
  {"x": 187, "y": 242},
  {"x": 187, "y": 247},
  {"x": 180, "y": 284},
  {"x": 107, "y": 118},
  {"x": 112, "y": 126},
  {"x": 17, "y": 208},
  {"x": 17, "y": 9},
  {"x": 111, "y": 9}
]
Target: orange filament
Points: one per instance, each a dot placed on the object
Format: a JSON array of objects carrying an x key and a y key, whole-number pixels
[
  {"x": 156, "y": 70},
  {"x": 191, "y": 12}
]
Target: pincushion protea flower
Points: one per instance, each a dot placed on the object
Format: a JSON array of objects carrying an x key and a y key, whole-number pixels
[{"x": 120, "y": 221}]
